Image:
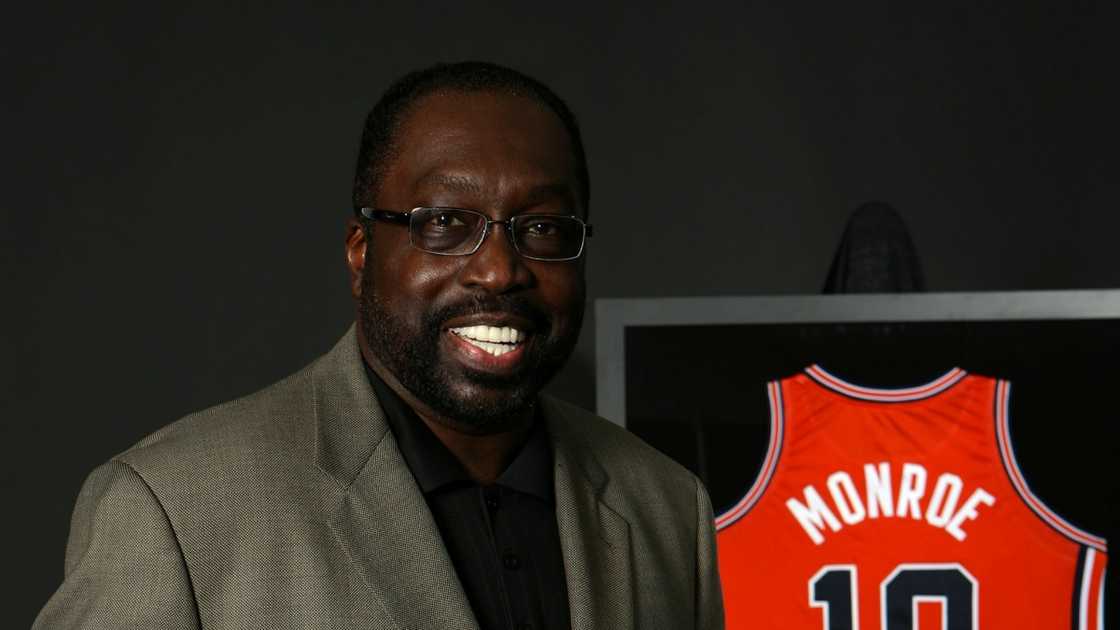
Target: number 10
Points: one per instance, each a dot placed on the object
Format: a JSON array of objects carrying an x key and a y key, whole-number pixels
[{"x": 833, "y": 589}]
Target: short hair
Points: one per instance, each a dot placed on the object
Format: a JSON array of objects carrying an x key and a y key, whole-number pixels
[{"x": 384, "y": 120}]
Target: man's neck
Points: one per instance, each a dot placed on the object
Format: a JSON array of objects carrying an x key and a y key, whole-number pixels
[{"x": 483, "y": 456}]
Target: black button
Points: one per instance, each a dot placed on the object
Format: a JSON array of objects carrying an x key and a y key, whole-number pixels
[
  {"x": 492, "y": 498},
  {"x": 511, "y": 561}
]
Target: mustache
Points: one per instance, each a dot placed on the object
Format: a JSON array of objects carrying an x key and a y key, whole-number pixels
[{"x": 512, "y": 304}]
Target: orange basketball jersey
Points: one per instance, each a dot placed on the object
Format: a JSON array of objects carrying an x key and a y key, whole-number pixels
[{"x": 900, "y": 509}]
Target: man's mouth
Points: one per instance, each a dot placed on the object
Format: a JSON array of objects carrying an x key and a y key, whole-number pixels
[{"x": 497, "y": 340}]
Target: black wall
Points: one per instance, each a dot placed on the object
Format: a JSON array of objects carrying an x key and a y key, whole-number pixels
[{"x": 176, "y": 181}]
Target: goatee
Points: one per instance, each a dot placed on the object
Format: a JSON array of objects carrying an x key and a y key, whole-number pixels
[{"x": 412, "y": 354}]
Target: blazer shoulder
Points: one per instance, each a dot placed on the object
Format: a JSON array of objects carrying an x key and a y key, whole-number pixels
[
  {"x": 626, "y": 458},
  {"x": 275, "y": 419}
]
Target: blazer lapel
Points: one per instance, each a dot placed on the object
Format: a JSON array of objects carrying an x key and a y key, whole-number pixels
[
  {"x": 381, "y": 519},
  {"x": 594, "y": 538}
]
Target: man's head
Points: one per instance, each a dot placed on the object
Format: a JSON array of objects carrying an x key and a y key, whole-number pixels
[
  {"x": 380, "y": 132},
  {"x": 482, "y": 138}
]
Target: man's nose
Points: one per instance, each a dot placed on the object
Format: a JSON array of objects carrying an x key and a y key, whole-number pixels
[{"x": 496, "y": 267}]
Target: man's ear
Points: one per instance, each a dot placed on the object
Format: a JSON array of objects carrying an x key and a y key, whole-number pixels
[{"x": 356, "y": 247}]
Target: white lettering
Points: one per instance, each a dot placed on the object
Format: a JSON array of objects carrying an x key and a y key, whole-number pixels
[
  {"x": 878, "y": 490},
  {"x": 968, "y": 511},
  {"x": 912, "y": 488},
  {"x": 813, "y": 517},
  {"x": 846, "y": 497},
  {"x": 941, "y": 507}
]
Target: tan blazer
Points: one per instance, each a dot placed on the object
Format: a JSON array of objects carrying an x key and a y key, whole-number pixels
[{"x": 293, "y": 508}]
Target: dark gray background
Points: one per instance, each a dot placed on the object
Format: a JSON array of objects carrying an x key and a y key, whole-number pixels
[{"x": 177, "y": 178}]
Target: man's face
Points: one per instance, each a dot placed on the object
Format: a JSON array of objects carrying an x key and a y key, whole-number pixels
[{"x": 422, "y": 314}]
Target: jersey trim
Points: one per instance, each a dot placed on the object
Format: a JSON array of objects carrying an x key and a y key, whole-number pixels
[
  {"x": 1100, "y": 602},
  {"x": 1088, "y": 590},
  {"x": 1078, "y": 587},
  {"x": 769, "y": 465},
  {"x": 904, "y": 394},
  {"x": 1011, "y": 467}
]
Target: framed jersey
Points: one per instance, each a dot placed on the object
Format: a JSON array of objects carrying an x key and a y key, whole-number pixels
[{"x": 887, "y": 461}]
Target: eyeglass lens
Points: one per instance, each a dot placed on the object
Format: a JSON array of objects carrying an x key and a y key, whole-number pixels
[{"x": 455, "y": 231}]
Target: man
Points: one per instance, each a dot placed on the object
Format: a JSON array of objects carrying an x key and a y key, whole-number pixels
[{"x": 414, "y": 477}]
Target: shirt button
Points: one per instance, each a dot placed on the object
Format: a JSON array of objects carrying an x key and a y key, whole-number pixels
[
  {"x": 492, "y": 502},
  {"x": 511, "y": 561}
]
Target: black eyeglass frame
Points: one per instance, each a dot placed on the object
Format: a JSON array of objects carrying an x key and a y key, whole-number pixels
[{"x": 405, "y": 218}]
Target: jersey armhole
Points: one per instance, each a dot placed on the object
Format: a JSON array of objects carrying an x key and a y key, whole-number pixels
[
  {"x": 1015, "y": 475},
  {"x": 769, "y": 464}
]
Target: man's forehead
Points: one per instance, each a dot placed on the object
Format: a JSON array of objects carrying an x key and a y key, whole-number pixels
[
  {"x": 464, "y": 141},
  {"x": 445, "y": 112},
  {"x": 450, "y": 181},
  {"x": 528, "y": 190}
]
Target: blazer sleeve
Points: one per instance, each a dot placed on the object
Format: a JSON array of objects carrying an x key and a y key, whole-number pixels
[
  {"x": 709, "y": 594},
  {"x": 124, "y": 566}
]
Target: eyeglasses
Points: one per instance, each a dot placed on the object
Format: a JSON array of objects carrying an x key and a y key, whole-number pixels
[{"x": 459, "y": 232}]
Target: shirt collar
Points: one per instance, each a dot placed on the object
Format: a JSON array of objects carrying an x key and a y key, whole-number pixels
[
  {"x": 531, "y": 469},
  {"x": 433, "y": 465}
]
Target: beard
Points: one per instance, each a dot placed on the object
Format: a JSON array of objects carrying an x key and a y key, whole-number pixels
[{"x": 478, "y": 402}]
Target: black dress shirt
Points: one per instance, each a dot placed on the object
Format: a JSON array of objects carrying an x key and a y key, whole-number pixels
[{"x": 502, "y": 538}]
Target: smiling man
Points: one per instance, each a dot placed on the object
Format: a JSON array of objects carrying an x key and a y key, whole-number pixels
[{"x": 415, "y": 476}]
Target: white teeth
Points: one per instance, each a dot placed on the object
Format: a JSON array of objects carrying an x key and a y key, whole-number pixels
[
  {"x": 490, "y": 334},
  {"x": 496, "y": 349}
]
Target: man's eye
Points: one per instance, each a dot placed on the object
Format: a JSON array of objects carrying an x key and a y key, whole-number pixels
[
  {"x": 544, "y": 228},
  {"x": 445, "y": 221}
]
